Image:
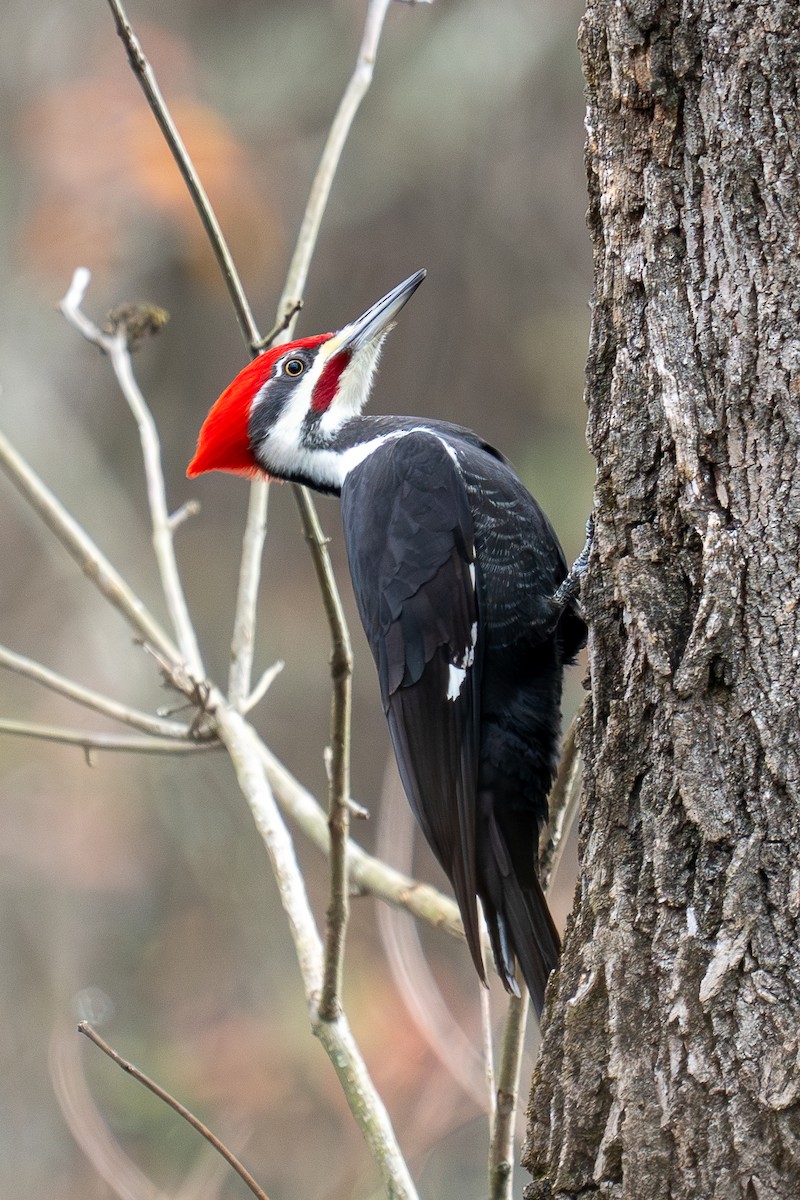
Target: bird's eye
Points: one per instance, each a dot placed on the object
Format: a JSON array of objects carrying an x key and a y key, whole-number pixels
[{"x": 294, "y": 367}]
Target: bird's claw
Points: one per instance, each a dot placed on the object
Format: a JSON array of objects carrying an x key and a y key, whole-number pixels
[{"x": 571, "y": 585}]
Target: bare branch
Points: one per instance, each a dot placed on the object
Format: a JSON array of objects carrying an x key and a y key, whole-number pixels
[
  {"x": 244, "y": 747},
  {"x": 246, "y": 753},
  {"x": 341, "y": 660},
  {"x": 163, "y": 544},
  {"x": 488, "y": 1049},
  {"x": 88, "y": 556},
  {"x": 147, "y": 80},
  {"x": 366, "y": 1106},
  {"x": 89, "y": 698},
  {"x": 88, "y": 1031},
  {"x": 244, "y": 620},
  {"x": 252, "y": 548},
  {"x": 349, "y": 105},
  {"x": 255, "y": 531},
  {"x": 115, "y": 345},
  {"x": 339, "y": 774},
  {"x": 122, "y": 1176},
  {"x": 70, "y": 306},
  {"x": 90, "y": 742},
  {"x": 501, "y": 1145},
  {"x": 281, "y": 325},
  {"x": 564, "y": 804},
  {"x": 244, "y": 623}
]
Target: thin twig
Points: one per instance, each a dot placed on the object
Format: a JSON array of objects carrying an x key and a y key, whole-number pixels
[
  {"x": 204, "y": 1180},
  {"x": 88, "y": 1031},
  {"x": 349, "y": 104},
  {"x": 89, "y": 698},
  {"x": 339, "y": 775},
  {"x": 162, "y": 526},
  {"x": 341, "y": 657},
  {"x": 262, "y": 687},
  {"x": 488, "y": 1048},
  {"x": 244, "y": 618},
  {"x": 501, "y": 1145},
  {"x": 245, "y": 750},
  {"x": 89, "y": 742},
  {"x": 147, "y": 80},
  {"x": 563, "y": 805},
  {"x": 122, "y": 1176},
  {"x": 115, "y": 345},
  {"x": 88, "y": 556},
  {"x": 281, "y": 325},
  {"x": 190, "y": 509},
  {"x": 255, "y": 530}
]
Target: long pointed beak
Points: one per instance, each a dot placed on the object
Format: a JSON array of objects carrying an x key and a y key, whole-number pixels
[{"x": 376, "y": 320}]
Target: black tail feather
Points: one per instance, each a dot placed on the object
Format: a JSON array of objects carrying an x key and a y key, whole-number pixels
[
  {"x": 523, "y": 930},
  {"x": 517, "y": 916}
]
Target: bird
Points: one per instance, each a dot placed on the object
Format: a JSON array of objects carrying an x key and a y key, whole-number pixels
[{"x": 465, "y": 597}]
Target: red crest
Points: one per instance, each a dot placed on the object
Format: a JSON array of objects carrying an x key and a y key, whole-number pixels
[{"x": 223, "y": 443}]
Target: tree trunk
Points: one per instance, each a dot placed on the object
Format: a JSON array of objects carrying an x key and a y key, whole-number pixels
[{"x": 670, "y": 1058}]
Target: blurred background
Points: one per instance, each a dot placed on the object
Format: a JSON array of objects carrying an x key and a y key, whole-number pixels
[{"x": 136, "y": 891}]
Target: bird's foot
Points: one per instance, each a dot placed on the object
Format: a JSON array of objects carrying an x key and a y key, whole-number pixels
[{"x": 571, "y": 585}]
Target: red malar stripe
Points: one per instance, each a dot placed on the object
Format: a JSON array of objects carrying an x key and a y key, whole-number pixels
[{"x": 328, "y": 381}]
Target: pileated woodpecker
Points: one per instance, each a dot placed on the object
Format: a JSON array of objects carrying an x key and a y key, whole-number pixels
[{"x": 465, "y": 598}]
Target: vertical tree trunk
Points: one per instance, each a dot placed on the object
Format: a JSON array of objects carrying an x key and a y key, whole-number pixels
[{"x": 670, "y": 1059}]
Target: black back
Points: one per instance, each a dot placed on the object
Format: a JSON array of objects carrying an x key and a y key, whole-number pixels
[{"x": 454, "y": 566}]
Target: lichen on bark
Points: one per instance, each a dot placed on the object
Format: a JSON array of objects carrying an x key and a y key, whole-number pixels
[{"x": 670, "y": 1063}]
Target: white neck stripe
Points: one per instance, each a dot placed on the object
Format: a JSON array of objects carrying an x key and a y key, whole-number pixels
[{"x": 329, "y": 467}]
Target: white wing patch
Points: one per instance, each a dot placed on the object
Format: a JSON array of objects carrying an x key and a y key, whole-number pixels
[
  {"x": 455, "y": 681},
  {"x": 458, "y": 669}
]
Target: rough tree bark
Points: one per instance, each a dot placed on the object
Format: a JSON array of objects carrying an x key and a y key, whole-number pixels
[{"x": 670, "y": 1059}]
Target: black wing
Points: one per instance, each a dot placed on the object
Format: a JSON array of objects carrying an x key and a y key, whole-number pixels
[{"x": 410, "y": 545}]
